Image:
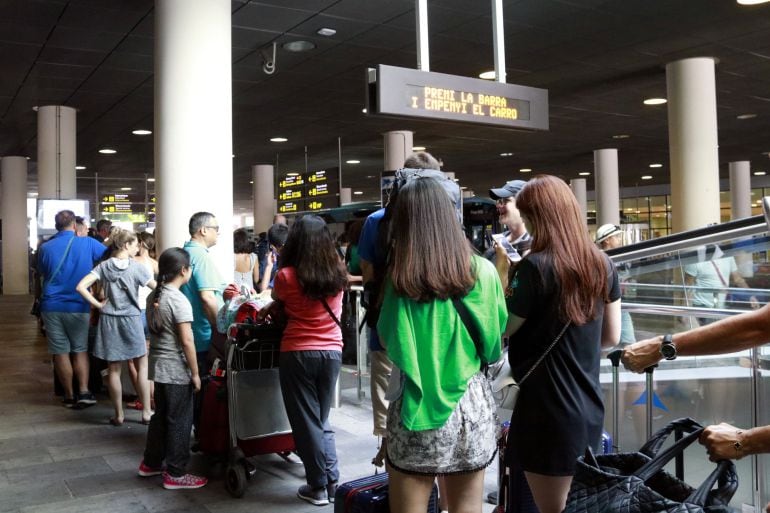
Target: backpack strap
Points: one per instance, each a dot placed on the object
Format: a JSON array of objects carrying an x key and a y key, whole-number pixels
[{"x": 331, "y": 313}]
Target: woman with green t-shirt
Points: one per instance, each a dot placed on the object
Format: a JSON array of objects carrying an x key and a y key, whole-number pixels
[{"x": 442, "y": 421}]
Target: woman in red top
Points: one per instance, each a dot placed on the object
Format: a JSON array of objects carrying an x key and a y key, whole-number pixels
[{"x": 310, "y": 285}]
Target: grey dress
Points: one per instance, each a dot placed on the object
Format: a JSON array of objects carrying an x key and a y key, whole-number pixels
[{"x": 120, "y": 334}]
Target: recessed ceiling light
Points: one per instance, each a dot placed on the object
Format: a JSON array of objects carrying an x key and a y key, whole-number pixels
[
  {"x": 142, "y": 132},
  {"x": 584, "y": 173},
  {"x": 125, "y": 188},
  {"x": 251, "y": 181},
  {"x": 278, "y": 139},
  {"x": 292, "y": 174},
  {"x": 418, "y": 148},
  {"x": 326, "y": 32},
  {"x": 655, "y": 101},
  {"x": 298, "y": 46},
  {"x": 746, "y": 116},
  {"x": 371, "y": 176},
  {"x": 506, "y": 154},
  {"x": 107, "y": 151},
  {"x": 151, "y": 179},
  {"x": 488, "y": 75},
  {"x": 752, "y": 2},
  {"x": 33, "y": 194},
  {"x": 363, "y": 110},
  {"x": 647, "y": 177},
  {"x": 80, "y": 168},
  {"x": 759, "y": 173},
  {"x": 352, "y": 162},
  {"x": 358, "y": 193},
  {"x": 656, "y": 165},
  {"x": 621, "y": 136},
  {"x": 525, "y": 170},
  {"x": 463, "y": 188}
]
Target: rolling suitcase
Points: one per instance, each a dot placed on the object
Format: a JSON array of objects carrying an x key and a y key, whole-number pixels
[{"x": 370, "y": 495}]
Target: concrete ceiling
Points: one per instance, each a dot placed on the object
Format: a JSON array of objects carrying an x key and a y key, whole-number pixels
[{"x": 598, "y": 58}]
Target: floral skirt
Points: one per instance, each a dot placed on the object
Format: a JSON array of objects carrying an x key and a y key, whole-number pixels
[{"x": 467, "y": 442}]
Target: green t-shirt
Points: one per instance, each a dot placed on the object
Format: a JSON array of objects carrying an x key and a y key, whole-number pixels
[
  {"x": 429, "y": 343},
  {"x": 205, "y": 276}
]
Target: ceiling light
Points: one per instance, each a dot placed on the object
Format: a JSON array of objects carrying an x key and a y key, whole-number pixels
[
  {"x": 525, "y": 170},
  {"x": 759, "y": 173},
  {"x": 125, "y": 188},
  {"x": 621, "y": 136},
  {"x": 363, "y": 110},
  {"x": 752, "y": 2},
  {"x": 371, "y": 176},
  {"x": 358, "y": 193},
  {"x": 656, "y": 165},
  {"x": 80, "y": 168},
  {"x": 647, "y": 177},
  {"x": 584, "y": 173},
  {"x": 418, "y": 148},
  {"x": 352, "y": 162},
  {"x": 251, "y": 181},
  {"x": 33, "y": 194},
  {"x": 142, "y": 132},
  {"x": 506, "y": 154},
  {"x": 655, "y": 101},
  {"x": 746, "y": 116},
  {"x": 292, "y": 174},
  {"x": 151, "y": 179},
  {"x": 488, "y": 75},
  {"x": 463, "y": 188},
  {"x": 326, "y": 32},
  {"x": 278, "y": 139},
  {"x": 107, "y": 151},
  {"x": 456, "y": 179},
  {"x": 298, "y": 46}
]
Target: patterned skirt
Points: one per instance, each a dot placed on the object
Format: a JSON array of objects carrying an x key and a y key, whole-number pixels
[{"x": 467, "y": 442}]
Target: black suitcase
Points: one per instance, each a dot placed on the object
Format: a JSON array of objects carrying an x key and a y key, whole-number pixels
[{"x": 370, "y": 495}]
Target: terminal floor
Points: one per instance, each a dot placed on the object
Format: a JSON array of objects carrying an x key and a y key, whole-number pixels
[{"x": 53, "y": 459}]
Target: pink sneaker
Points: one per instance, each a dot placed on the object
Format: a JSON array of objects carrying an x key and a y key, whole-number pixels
[
  {"x": 185, "y": 482},
  {"x": 146, "y": 471}
]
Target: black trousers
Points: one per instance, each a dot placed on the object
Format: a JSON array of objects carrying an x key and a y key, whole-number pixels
[
  {"x": 307, "y": 385},
  {"x": 168, "y": 437}
]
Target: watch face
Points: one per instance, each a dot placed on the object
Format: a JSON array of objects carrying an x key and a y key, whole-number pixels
[{"x": 668, "y": 351}]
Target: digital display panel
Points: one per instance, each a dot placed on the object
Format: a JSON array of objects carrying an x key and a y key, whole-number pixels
[
  {"x": 403, "y": 92},
  {"x": 308, "y": 192}
]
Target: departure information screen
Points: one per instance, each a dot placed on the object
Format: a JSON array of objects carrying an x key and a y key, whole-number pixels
[
  {"x": 308, "y": 192},
  {"x": 404, "y": 92}
]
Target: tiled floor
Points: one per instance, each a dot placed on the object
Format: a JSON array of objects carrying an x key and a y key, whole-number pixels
[{"x": 57, "y": 460}]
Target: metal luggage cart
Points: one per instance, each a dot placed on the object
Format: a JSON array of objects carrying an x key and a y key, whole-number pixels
[{"x": 258, "y": 423}]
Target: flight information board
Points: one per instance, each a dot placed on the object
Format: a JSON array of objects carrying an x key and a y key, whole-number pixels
[
  {"x": 404, "y": 92},
  {"x": 308, "y": 192}
]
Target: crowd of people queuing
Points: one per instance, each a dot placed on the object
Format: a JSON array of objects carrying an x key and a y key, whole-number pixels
[{"x": 437, "y": 313}]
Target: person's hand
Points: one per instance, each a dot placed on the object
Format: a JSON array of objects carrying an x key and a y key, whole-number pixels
[
  {"x": 271, "y": 257},
  {"x": 642, "y": 354},
  {"x": 754, "y": 302},
  {"x": 196, "y": 382},
  {"x": 502, "y": 262},
  {"x": 102, "y": 304},
  {"x": 720, "y": 440}
]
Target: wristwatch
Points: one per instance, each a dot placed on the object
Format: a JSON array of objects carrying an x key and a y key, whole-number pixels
[{"x": 667, "y": 348}]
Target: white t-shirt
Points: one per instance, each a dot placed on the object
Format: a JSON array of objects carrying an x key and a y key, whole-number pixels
[{"x": 711, "y": 278}]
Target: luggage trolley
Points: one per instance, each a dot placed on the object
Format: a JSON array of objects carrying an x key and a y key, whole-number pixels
[{"x": 258, "y": 423}]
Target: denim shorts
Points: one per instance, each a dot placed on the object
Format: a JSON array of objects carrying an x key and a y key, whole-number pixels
[{"x": 67, "y": 332}]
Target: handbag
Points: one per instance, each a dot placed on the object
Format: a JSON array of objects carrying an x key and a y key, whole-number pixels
[
  {"x": 636, "y": 482},
  {"x": 505, "y": 388}
]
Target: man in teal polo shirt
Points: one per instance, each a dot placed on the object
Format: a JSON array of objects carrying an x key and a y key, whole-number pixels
[{"x": 204, "y": 290}]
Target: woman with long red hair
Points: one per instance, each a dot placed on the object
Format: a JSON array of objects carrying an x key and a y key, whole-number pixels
[{"x": 567, "y": 297}]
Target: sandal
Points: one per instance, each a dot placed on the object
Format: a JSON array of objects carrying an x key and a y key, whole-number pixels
[
  {"x": 115, "y": 422},
  {"x": 135, "y": 405},
  {"x": 145, "y": 422}
]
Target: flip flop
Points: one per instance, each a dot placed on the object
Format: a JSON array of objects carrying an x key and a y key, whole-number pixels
[{"x": 115, "y": 422}]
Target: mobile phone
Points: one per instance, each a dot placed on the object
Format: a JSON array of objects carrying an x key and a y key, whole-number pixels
[{"x": 501, "y": 240}]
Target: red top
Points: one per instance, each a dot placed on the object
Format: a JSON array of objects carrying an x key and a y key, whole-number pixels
[{"x": 309, "y": 327}]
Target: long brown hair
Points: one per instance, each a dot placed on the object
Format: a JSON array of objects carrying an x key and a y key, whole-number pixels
[
  {"x": 310, "y": 250},
  {"x": 579, "y": 267},
  {"x": 430, "y": 257}
]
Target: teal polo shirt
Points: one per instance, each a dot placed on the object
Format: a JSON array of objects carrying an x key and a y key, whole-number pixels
[{"x": 205, "y": 276}]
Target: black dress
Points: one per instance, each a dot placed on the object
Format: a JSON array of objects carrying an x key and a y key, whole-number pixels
[{"x": 559, "y": 410}]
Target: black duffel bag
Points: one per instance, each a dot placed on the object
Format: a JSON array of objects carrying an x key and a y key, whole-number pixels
[{"x": 636, "y": 482}]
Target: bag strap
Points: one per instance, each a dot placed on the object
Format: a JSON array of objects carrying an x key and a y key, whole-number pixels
[
  {"x": 719, "y": 273},
  {"x": 539, "y": 360},
  {"x": 684, "y": 425},
  {"x": 331, "y": 313},
  {"x": 59, "y": 265},
  {"x": 473, "y": 330}
]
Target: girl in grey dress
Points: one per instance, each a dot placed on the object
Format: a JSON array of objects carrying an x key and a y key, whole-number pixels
[{"x": 120, "y": 335}]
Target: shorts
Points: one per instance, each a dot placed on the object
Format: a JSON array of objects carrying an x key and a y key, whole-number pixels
[
  {"x": 145, "y": 326},
  {"x": 467, "y": 442},
  {"x": 67, "y": 332}
]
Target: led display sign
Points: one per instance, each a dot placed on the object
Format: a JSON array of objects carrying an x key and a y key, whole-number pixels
[
  {"x": 404, "y": 92},
  {"x": 308, "y": 192}
]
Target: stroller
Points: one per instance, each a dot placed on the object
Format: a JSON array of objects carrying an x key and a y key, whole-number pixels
[{"x": 243, "y": 413}]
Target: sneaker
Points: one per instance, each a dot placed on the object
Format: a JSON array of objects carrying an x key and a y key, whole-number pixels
[
  {"x": 316, "y": 496},
  {"x": 69, "y": 402},
  {"x": 331, "y": 490},
  {"x": 86, "y": 399},
  {"x": 185, "y": 482},
  {"x": 146, "y": 471}
]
